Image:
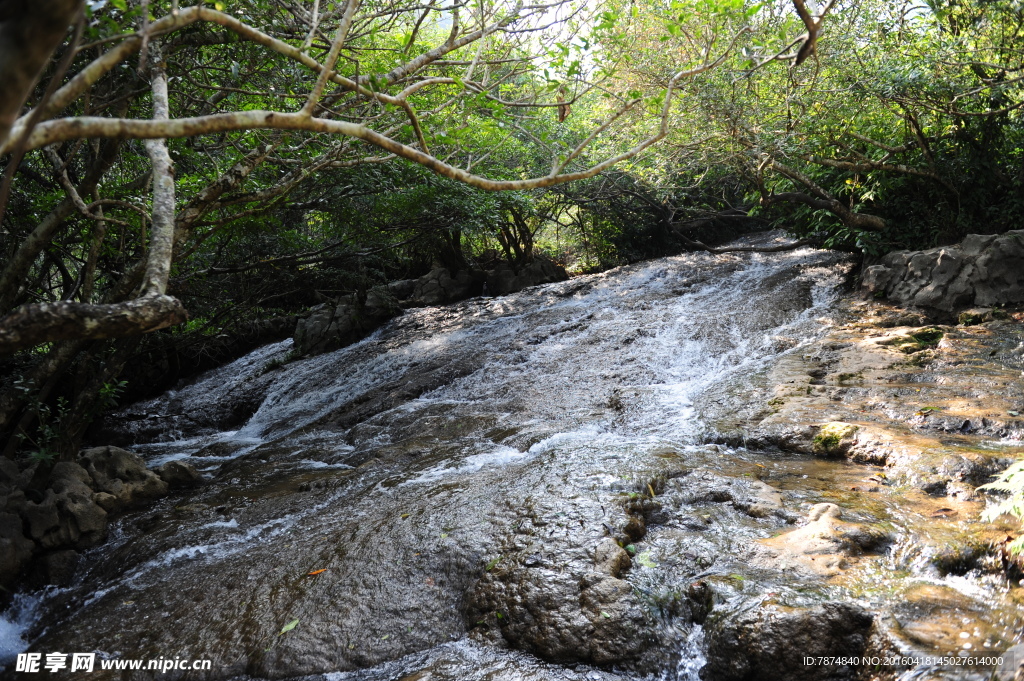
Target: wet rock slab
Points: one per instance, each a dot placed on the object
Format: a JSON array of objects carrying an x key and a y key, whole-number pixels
[
  {"x": 773, "y": 643},
  {"x": 511, "y": 488}
]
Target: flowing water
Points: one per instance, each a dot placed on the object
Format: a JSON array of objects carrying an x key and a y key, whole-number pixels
[{"x": 455, "y": 471}]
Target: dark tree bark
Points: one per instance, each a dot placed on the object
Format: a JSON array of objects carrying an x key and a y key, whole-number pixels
[
  {"x": 29, "y": 33},
  {"x": 38, "y": 323}
]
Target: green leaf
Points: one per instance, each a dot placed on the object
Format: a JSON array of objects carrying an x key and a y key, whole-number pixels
[
  {"x": 645, "y": 560},
  {"x": 288, "y": 627}
]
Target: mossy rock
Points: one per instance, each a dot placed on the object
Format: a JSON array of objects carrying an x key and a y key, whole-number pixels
[
  {"x": 925, "y": 339},
  {"x": 980, "y": 315},
  {"x": 960, "y": 558},
  {"x": 972, "y": 317},
  {"x": 834, "y": 439}
]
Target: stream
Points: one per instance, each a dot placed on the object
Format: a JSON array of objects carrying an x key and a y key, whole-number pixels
[{"x": 445, "y": 500}]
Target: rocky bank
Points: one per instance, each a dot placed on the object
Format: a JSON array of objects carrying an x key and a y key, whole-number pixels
[{"x": 704, "y": 467}]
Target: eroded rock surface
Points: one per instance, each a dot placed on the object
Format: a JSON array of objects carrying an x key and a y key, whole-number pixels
[
  {"x": 569, "y": 605},
  {"x": 772, "y": 642},
  {"x": 982, "y": 271},
  {"x": 71, "y": 512},
  {"x": 517, "y": 488}
]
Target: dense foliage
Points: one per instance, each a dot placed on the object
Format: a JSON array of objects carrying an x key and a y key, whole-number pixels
[{"x": 321, "y": 148}]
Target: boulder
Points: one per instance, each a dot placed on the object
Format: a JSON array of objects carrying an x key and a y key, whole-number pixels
[
  {"x": 772, "y": 642},
  {"x": 834, "y": 439},
  {"x": 564, "y": 616},
  {"x": 503, "y": 279},
  {"x": 982, "y": 271},
  {"x": 823, "y": 545},
  {"x": 9, "y": 472},
  {"x": 179, "y": 475},
  {"x": 349, "y": 319},
  {"x": 66, "y": 519},
  {"x": 439, "y": 286},
  {"x": 610, "y": 558},
  {"x": 122, "y": 474}
]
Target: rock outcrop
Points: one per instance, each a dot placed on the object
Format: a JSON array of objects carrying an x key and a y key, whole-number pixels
[
  {"x": 71, "y": 513},
  {"x": 334, "y": 325},
  {"x": 349, "y": 319},
  {"x": 503, "y": 280},
  {"x": 439, "y": 287},
  {"x": 982, "y": 271},
  {"x": 573, "y": 606}
]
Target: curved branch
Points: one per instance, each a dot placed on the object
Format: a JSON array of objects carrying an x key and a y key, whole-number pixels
[
  {"x": 119, "y": 128},
  {"x": 31, "y": 325}
]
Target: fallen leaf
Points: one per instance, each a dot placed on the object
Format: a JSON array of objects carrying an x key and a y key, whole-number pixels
[
  {"x": 316, "y": 572},
  {"x": 288, "y": 627},
  {"x": 944, "y": 513}
]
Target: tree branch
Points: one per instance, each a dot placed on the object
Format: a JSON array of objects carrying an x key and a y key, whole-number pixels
[{"x": 31, "y": 325}]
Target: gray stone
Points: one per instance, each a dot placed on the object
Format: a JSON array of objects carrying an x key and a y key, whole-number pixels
[
  {"x": 1012, "y": 668},
  {"x": 611, "y": 558},
  {"x": 179, "y": 475},
  {"x": 65, "y": 519},
  {"x": 504, "y": 280},
  {"x": 402, "y": 289},
  {"x": 982, "y": 271},
  {"x": 565, "y": 616},
  {"x": 771, "y": 643},
  {"x": 42, "y": 516},
  {"x": 71, "y": 471},
  {"x": 330, "y": 326},
  {"x": 15, "y": 502},
  {"x": 8, "y": 471},
  {"x": 334, "y": 325},
  {"x": 108, "y": 502},
  {"x": 123, "y": 474}
]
